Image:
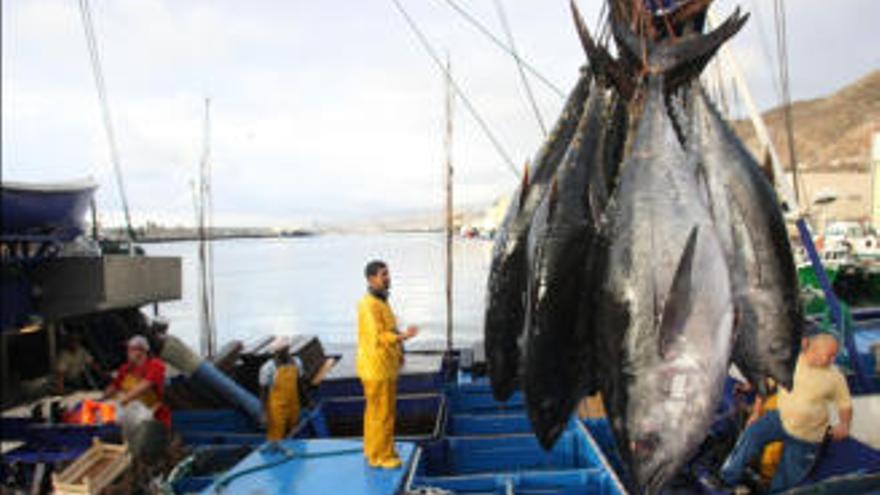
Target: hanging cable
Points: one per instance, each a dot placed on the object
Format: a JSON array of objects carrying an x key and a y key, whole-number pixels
[
  {"x": 94, "y": 57},
  {"x": 603, "y": 25},
  {"x": 502, "y": 16},
  {"x": 765, "y": 47},
  {"x": 464, "y": 99},
  {"x": 785, "y": 86},
  {"x": 473, "y": 21}
]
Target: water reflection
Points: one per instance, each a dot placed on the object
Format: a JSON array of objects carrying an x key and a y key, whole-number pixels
[{"x": 311, "y": 286}]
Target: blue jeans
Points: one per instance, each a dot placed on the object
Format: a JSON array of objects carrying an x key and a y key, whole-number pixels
[{"x": 798, "y": 456}]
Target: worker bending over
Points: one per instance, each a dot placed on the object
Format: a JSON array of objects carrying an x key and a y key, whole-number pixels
[
  {"x": 75, "y": 368},
  {"x": 801, "y": 420},
  {"x": 279, "y": 391},
  {"x": 141, "y": 378},
  {"x": 379, "y": 357}
]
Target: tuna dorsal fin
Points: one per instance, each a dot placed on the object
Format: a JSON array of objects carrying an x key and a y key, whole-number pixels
[
  {"x": 677, "y": 306},
  {"x": 767, "y": 167},
  {"x": 553, "y": 199},
  {"x": 524, "y": 188}
]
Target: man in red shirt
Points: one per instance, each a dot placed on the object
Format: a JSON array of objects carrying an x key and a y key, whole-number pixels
[{"x": 141, "y": 378}]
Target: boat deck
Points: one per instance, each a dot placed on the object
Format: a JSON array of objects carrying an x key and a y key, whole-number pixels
[{"x": 313, "y": 466}]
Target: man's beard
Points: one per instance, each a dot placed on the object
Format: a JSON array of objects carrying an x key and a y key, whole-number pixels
[{"x": 381, "y": 293}]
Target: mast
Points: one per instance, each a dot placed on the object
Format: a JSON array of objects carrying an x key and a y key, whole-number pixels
[
  {"x": 101, "y": 87},
  {"x": 449, "y": 205},
  {"x": 207, "y": 338}
]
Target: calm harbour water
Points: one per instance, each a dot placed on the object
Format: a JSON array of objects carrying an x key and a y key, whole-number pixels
[{"x": 311, "y": 285}]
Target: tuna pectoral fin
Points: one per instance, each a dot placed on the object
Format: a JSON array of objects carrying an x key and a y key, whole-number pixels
[{"x": 677, "y": 307}]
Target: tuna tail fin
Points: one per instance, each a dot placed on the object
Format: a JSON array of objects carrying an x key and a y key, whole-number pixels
[
  {"x": 683, "y": 59},
  {"x": 677, "y": 306},
  {"x": 601, "y": 62},
  {"x": 690, "y": 12}
]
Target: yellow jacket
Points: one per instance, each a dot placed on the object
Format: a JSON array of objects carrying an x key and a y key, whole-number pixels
[{"x": 379, "y": 351}]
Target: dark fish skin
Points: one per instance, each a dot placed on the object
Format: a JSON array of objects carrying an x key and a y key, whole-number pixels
[
  {"x": 561, "y": 232},
  {"x": 613, "y": 144},
  {"x": 753, "y": 234},
  {"x": 663, "y": 312},
  {"x": 505, "y": 294}
]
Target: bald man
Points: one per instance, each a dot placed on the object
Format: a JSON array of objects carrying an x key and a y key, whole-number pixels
[{"x": 802, "y": 420}]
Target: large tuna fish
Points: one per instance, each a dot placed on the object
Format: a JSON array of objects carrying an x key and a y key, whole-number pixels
[
  {"x": 664, "y": 316},
  {"x": 505, "y": 305},
  {"x": 664, "y": 312},
  {"x": 752, "y": 231},
  {"x": 562, "y": 231}
]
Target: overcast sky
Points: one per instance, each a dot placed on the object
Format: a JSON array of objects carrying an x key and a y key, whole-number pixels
[{"x": 327, "y": 110}]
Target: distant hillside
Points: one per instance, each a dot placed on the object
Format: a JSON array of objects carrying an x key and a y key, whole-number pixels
[{"x": 831, "y": 133}]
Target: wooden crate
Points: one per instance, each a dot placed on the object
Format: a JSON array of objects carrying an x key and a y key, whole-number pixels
[{"x": 93, "y": 471}]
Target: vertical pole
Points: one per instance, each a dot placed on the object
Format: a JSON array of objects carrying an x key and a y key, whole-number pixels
[
  {"x": 837, "y": 316},
  {"x": 449, "y": 204},
  {"x": 6, "y": 392},
  {"x": 94, "y": 208},
  {"x": 875, "y": 183},
  {"x": 209, "y": 220},
  {"x": 205, "y": 271},
  {"x": 52, "y": 343}
]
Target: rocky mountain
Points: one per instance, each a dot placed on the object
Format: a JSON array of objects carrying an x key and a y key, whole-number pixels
[{"x": 832, "y": 133}]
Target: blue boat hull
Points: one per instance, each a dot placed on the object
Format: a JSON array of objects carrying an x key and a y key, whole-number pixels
[{"x": 42, "y": 212}]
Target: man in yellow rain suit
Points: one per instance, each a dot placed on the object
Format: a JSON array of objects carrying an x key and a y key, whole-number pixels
[
  {"x": 279, "y": 391},
  {"x": 379, "y": 357}
]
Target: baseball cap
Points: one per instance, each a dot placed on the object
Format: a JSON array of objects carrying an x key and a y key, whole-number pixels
[{"x": 139, "y": 341}]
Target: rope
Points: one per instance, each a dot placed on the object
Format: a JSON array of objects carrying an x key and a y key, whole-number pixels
[
  {"x": 95, "y": 59},
  {"x": 785, "y": 86},
  {"x": 288, "y": 456},
  {"x": 499, "y": 7},
  {"x": 603, "y": 25},
  {"x": 467, "y": 102},
  {"x": 485, "y": 31},
  {"x": 765, "y": 47}
]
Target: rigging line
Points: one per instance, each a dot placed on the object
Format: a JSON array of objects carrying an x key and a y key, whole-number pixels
[
  {"x": 603, "y": 25},
  {"x": 467, "y": 102},
  {"x": 483, "y": 29},
  {"x": 765, "y": 47},
  {"x": 97, "y": 73},
  {"x": 499, "y": 7},
  {"x": 785, "y": 85}
]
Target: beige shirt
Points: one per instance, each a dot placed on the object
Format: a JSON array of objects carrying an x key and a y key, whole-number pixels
[
  {"x": 804, "y": 410},
  {"x": 72, "y": 364}
]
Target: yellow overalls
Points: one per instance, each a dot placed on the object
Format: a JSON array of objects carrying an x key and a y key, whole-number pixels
[
  {"x": 282, "y": 406},
  {"x": 149, "y": 398},
  {"x": 378, "y": 362},
  {"x": 772, "y": 453}
]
